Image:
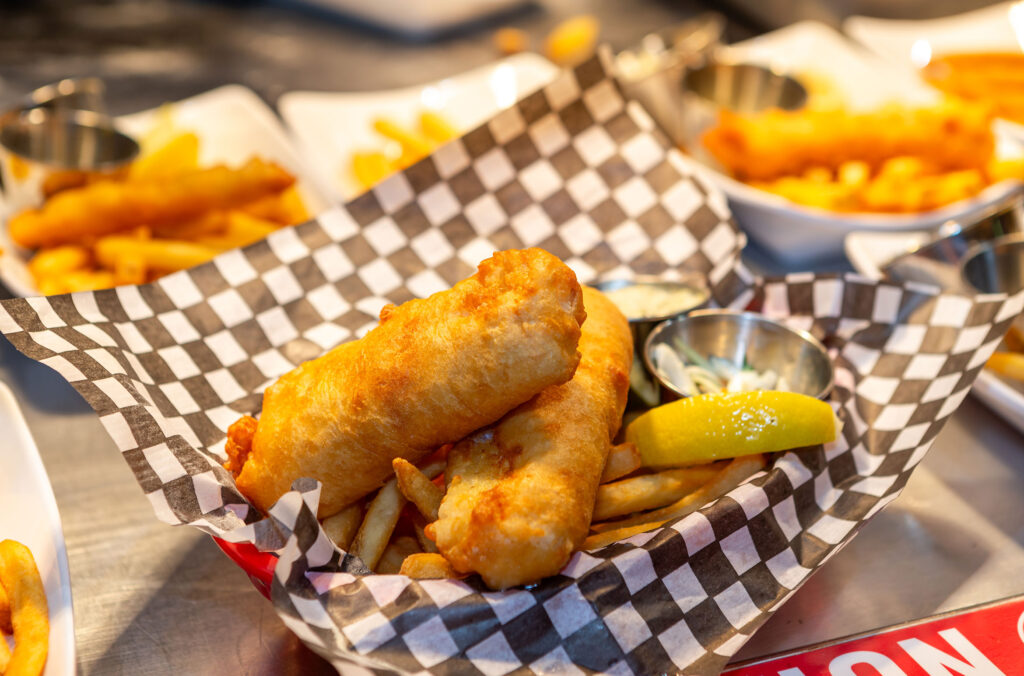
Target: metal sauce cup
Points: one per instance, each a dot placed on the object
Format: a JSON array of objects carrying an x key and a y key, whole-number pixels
[
  {"x": 996, "y": 266},
  {"x": 745, "y": 338},
  {"x": 644, "y": 390},
  {"x": 640, "y": 327},
  {"x": 44, "y": 150}
]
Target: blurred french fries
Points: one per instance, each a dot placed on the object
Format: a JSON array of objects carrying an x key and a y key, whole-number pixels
[
  {"x": 401, "y": 147},
  {"x": 888, "y": 160},
  {"x": 164, "y": 214}
]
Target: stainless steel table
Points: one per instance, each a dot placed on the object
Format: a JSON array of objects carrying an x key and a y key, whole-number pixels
[{"x": 149, "y": 598}]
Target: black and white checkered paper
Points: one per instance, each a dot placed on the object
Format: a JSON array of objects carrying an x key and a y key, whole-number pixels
[{"x": 576, "y": 170}]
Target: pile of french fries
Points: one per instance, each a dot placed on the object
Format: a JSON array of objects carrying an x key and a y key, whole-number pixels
[
  {"x": 165, "y": 213},
  {"x": 892, "y": 160},
  {"x": 401, "y": 147},
  {"x": 387, "y": 530},
  {"x": 23, "y": 612}
]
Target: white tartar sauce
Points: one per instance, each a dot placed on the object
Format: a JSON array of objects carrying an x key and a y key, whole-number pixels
[{"x": 641, "y": 301}]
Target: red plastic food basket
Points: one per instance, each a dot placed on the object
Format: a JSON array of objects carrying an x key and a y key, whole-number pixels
[{"x": 259, "y": 566}]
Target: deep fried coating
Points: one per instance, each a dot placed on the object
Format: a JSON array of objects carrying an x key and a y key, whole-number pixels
[
  {"x": 777, "y": 143},
  {"x": 521, "y": 492},
  {"x": 107, "y": 207},
  {"x": 433, "y": 371}
]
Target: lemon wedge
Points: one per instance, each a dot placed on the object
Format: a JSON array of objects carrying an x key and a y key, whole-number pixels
[{"x": 710, "y": 427}]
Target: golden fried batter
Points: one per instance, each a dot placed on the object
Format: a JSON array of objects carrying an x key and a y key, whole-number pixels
[
  {"x": 521, "y": 492},
  {"x": 433, "y": 371}
]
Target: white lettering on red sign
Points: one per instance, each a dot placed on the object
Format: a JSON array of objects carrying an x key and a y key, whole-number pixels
[
  {"x": 844, "y": 664},
  {"x": 937, "y": 663}
]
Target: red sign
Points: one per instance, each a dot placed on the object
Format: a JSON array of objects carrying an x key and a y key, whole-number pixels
[{"x": 982, "y": 641}]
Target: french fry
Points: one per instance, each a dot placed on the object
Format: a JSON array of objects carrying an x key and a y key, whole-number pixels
[
  {"x": 29, "y": 612},
  {"x": 241, "y": 229},
  {"x": 292, "y": 210},
  {"x": 58, "y": 260},
  {"x": 649, "y": 491},
  {"x": 1009, "y": 364},
  {"x": 130, "y": 269},
  {"x": 598, "y": 540},
  {"x": 1015, "y": 339},
  {"x": 395, "y": 553},
  {"x": 5, "y": 655},
  {"x": 412, "y": 142},
  {"x": 209, "y": 223},
  {"x": 342, "y": 527},
  {"x": 108, "y": 207},
  {"x": 436, "y": 128},
  {"x": 283, "y": 208},
  {"x": 178, "y": 156},
  {"x": 161, "y": 254},
  {"x": 371, "y": 167},
  {"x": 86, "y": 280},
  {"x": 724, "y": 481},
  {"x": 623, "y": 459},
  {"x": 418, "y": 488},
  {"x": 378, "y": 524},
  {"x": 5, "y": 614},
  {"x": 418, "y": 524},
  {"x": 381, "y": 519},
  {"x": 573, "y": 40},
  {"x": 428, "y": 566}
]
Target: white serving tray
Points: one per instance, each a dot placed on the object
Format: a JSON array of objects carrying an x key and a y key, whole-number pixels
[
  {"x": 28, "y": 514},
  {"x": 331, "y": 126}
]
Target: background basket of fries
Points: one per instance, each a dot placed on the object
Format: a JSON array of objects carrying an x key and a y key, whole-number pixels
[
  {"x": 860, "y": 155},
  {"x": 214, "y": 173},
  {"x": 599, "y": 187}
]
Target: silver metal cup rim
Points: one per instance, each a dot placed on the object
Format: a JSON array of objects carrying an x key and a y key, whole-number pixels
[{"x": 737, "y": 315}]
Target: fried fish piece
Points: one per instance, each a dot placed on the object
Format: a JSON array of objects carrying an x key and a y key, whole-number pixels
[
  {"x": 521, "y": 492},
  {"x": 106, "y": 207},
  {"x": 433, "y": 371}
]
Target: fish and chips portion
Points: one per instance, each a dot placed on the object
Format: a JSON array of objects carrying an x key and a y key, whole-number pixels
[
  {"x": 24, "y": 613},
  {"x": 888, "y": 160},
  {"x": 477, "y": 431},
  {"x": 163, "y": 214},
  {"x": 434, "y": 371},
  {"x": 521, "y": 491}
]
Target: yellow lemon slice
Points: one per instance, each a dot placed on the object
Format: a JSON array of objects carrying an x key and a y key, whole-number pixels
[{"x": 710, "y": 427}]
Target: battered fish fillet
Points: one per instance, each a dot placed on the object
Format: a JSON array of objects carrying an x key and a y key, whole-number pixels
[
  {"x": 521, "y": 492},
  {"x": 433, "y": 371}
]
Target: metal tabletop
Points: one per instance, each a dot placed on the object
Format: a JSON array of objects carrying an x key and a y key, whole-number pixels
[{"x": 149, "y": 598}]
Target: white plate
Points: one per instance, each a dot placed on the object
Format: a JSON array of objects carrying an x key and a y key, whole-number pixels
[
  {"x": 869, "y": 252},
  {"x": 331, "y": 126},
  {"x": 796, "y": 234},
  {"x": 911, "y": 44},
  {"x": 28, "y": 514},
  {"x": 233, "y": 124}
]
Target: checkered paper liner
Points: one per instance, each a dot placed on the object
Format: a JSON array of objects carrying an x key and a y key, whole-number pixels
[{"x": 576, "y": 170}]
